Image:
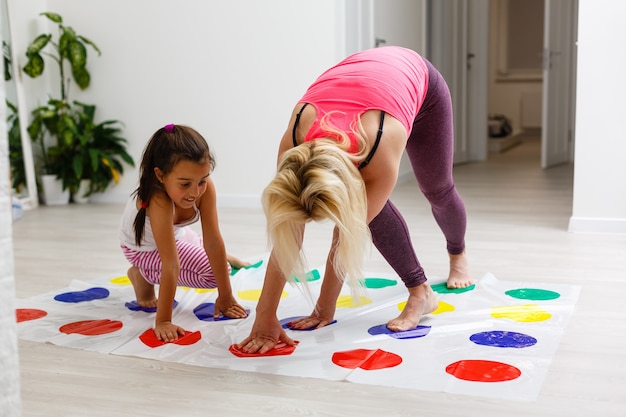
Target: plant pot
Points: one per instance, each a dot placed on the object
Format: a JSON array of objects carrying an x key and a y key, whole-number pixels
[
  {"x": 53, "y": 193},
  {"x": 83, "y": 188}
]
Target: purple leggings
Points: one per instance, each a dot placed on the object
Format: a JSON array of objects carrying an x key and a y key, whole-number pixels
[{"x": 430, "y": 149}]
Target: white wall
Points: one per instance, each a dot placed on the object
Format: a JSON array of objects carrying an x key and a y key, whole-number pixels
[
  {"x": 600, "y": 172},
  {"x": 10, "y": 404},
  {"x": 231, "y": 69}
]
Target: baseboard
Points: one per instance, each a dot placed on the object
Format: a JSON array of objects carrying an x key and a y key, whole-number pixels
[{"x": 596, "y": 225}]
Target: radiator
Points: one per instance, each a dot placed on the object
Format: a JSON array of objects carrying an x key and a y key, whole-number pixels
[{"x": 531, "y": 110}]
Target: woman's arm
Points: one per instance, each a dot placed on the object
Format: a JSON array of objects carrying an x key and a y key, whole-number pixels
[
  {"x": 266, "y": 331},
  {"x": 381, "y": 174}
]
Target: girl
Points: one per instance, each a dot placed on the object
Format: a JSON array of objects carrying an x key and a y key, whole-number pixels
[
  {"x": 339, "y": 160},
  {"x": 174, "y": 191}
]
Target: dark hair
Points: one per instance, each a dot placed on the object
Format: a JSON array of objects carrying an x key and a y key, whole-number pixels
[{"x": 167, "y": 146}]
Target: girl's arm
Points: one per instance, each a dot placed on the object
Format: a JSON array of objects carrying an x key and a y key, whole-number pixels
[
  {"x": 161, "y": 213},
  {"x": 216, "y": 252}
]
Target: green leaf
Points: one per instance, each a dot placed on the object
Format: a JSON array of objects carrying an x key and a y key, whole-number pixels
[
  {"x": 38, "y": 44},
  {"x": 78, "y": 166},
  {"x": 35, "y": 66},
  {"x": 93, "y": 156},
  {"x": 34, "y": 129},
  {"x": 89, "y": 42},
  {"x": 77, "y": 54},
  {"x": 82, "y": 77},
  {"x": 127, "y": 158},
  {"x": 56, "y": 18},
  {"x": 68, "y": 138}
]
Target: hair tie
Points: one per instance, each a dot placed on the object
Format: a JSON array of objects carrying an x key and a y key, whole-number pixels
[
  {"x": 169, "y": 128},
  {"x": 144, "y": 205}
]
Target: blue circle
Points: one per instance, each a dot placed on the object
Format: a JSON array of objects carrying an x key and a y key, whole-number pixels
[
  {"x": 206, "y": 311},
  {"x": 419, "y": 331},
  {"x": 503, "y": 339},
  {"x": 134, "y": 306},
  {"x": 91, "y": 294}
]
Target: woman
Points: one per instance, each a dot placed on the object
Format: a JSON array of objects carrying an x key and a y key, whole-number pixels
[{"x": 339, "y": 160}]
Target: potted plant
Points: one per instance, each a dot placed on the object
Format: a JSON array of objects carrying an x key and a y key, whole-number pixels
[
  {"x": 64, "y": 130},
  {"x": 101, "y": 151},
  {"x": 16, "y": 156}
]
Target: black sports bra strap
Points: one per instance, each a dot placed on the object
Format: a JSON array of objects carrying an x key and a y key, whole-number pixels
[
  {"x": 295, "y": 124},
  {"x": 370, "y": 155}
]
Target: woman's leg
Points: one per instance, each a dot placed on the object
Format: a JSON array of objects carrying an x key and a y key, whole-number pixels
[
  {"x": 391, "y": 237},
  {"x": 431, "y": 151}
]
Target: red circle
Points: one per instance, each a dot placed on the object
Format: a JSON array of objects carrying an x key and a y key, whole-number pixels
[
  {"x": 366, "y": 359},
  {"x": 26, "y": 314},
  {"x": 92, "y": 327},
  {"x": 483, "y": 371},
  {"x": 149, "y": 339},
  {"x": 280, "y": 349}
]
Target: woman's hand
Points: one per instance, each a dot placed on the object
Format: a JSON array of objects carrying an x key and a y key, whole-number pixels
[
  {"x": 313, "y": 321},
  {"x": 264, "y": 336},
  {"x": 167, "y": 331}
]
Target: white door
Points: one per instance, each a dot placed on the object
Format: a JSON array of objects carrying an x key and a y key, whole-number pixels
[
  {"x": 458, "y": 48},
  {"x": 558, "y": 82},
  {"x": 453, "y": 35}
]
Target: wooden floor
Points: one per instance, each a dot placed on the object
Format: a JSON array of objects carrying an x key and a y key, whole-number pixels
[{"x": 517, "y": 230}]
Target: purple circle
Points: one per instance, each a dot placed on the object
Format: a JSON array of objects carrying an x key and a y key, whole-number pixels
[
  {"x": 90, "y": 294},
  {"x": 503, "y": 339},
  {"x": 134, "y": 306},
  {"x": 206, "y": 311},
  {"x": 419, "y": 331},
  {"x": 285, "y": 324}
]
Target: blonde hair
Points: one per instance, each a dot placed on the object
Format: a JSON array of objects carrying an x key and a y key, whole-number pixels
[{"x": 318, "y": 180}]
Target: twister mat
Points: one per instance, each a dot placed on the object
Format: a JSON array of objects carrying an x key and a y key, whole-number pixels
[{"x": 494, "y": 339}]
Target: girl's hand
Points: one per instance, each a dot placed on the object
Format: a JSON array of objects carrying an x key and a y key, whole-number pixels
[
  {"x": 167, "y": 331},
  {"x": 230, "y": 308},
  {"x": 264, "y": 336}
]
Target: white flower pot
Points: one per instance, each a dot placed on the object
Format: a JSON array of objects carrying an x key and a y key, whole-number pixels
[
  {"x": 83, "y": 188},
  {"x": 53, "y": 193}
]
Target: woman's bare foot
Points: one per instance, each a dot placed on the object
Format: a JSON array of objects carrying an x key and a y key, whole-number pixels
[
  {"x": 144, "y": 291},
  {"x": 236, "y": 262},
  {"x": 422, "y": 300},
  {"x": 459, "y": 272}
]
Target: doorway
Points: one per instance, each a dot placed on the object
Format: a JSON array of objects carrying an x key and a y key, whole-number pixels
[
  {"x": 515, "y": 86},
  {"x": 460, "y": 38}
]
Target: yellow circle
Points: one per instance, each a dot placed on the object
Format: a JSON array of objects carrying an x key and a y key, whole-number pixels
[
  {"x": 521, "y": 313},
  {"x": 444, "y": 307},
  {"x": 346, "y": 301},
  {"x": 254, "y": 295},
  {"x": 204, "y": 290},
  {"x": 121, "y": 280}
]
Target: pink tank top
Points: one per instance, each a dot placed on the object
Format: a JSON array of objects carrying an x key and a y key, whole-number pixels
[{"x": 391, "y": 78}]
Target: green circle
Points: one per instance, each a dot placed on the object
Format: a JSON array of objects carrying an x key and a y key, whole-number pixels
[
  {"x": 234, "y": 270},
  {"x": 310, "y": 276},
  {"x": 442, "y": 288},
  {"x": 379, "y": 282},
  {"x": 533, "y": 294}
]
